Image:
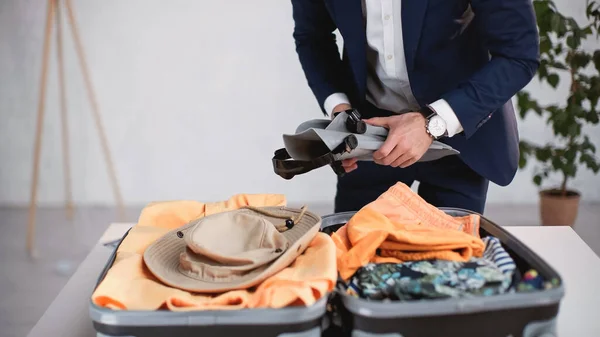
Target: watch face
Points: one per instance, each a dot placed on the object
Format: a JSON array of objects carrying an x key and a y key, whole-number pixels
[{"x": 436, "y": 126}]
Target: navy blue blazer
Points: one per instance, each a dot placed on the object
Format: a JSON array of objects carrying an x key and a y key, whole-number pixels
[{"x": 476, "y": 72}]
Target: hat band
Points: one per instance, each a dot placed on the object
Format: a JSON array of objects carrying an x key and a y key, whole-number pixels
[{"x": 204, "y": 269}]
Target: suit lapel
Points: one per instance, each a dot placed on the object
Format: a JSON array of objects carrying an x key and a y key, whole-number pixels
[{"x": 413, "y": 17}]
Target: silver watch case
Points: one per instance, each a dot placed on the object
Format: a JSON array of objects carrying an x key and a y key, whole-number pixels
[{"x": 436, "y": 126}]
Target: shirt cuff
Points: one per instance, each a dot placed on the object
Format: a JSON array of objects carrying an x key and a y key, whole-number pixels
[
  {"x": 444, "y": 110},
  {"x": 333, "y": 100}
]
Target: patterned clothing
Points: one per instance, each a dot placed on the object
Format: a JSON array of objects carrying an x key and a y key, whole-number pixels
[{"x": 430, "y": 279}]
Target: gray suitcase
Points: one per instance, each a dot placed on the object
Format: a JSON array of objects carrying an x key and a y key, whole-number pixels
[
  {"x": 530, "y": 314},
  {"x": 286, "y": 322}
]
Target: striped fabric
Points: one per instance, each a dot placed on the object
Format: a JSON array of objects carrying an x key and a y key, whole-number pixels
[{"x": 495, "y": 252}]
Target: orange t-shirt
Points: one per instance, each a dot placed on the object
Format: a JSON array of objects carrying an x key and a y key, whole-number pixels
[
  {"x": 129, "y": 285},
  {"x": 401, "y": 226}
]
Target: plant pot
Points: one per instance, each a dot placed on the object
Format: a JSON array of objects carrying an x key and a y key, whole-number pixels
[{"x": 557, "y": 209}]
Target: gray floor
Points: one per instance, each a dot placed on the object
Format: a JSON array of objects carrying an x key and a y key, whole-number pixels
[{"x": 28, "y": 286}]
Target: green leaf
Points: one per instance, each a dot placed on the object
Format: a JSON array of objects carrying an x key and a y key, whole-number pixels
[
  {"x": 543, "y": 69},
  {"x": 592, "y": 117},
  {"x": 562, "y": 28},
  {"x": 573, "y": 41},
  {"x": 586, "y": 145},
  {"x": 580, "y": 60},
  {"x": 574, "y": 130},
  {"x": 553, "y": 80},
  {"x": 543, "y": 17},
  {"x": 563, "y": 123},
  {"x": 537, "y": 179},
  {"x": 594, "y": 87},
  {"x": 575, "y": 110},
  {"x": 589, "y": 9},
  {"x": 541, "y": 7},
  {"x": 555, "y": 22},
  {"x": 559, "y": 119},
  {"x": 543, "y": 154},
  {"x": 524, "y": 146},
  {"x": 557, "y": 163},
  {"x": 573, "y": 24},
  {"x": 558, "y": 48},
  {"x": 570, "y": 155},
  {"x": 570, "y": 170},
  {"x": 522, "y": 161},
  {"x": 545, "y": 45},
  {"x": 590, "y": 162},
  {"x": 596, "y": 58},
  {"x": 558, "y": 65},
  {"x": 523, "y": 103}
]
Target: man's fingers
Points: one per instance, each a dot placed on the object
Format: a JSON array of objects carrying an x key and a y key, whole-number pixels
[
  {"x": 396, "y": 153},
  {"x": 377, "y": 121},
  {"x": 349, "y": 162},
  {"x": 407, "y": 159},
  {"x": 409, "y": 162},
  {"x": 386, "y": 148},
  {"x": 350, "y": 165},
  {"x": 350, "y": 168}
]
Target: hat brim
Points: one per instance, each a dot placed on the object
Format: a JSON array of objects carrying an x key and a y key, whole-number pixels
[{"x": 162, "y": 257}]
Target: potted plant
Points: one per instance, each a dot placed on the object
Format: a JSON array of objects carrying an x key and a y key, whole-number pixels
[{"x": 563, "y": 58}]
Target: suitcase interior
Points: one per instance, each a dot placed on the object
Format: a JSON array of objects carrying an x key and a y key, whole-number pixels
[
  {"x": 289, "y": 322},
  {"x": 527, "y": 314}
]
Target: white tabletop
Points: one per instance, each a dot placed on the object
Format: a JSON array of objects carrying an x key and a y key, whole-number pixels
[{"x": 561, "y": 247}]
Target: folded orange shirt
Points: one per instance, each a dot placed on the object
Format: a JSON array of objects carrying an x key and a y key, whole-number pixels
[
  {"x": 129, "y": 285},
  {"x": 400, "y": 226}
]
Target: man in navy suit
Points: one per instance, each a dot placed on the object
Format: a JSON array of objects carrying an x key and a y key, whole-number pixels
[{"x": 424, "y": 69}]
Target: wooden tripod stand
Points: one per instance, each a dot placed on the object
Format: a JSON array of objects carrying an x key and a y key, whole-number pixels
[{"x": 53, "y": 16}]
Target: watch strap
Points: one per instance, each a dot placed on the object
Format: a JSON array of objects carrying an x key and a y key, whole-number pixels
[{"x": 427, "y": 112}]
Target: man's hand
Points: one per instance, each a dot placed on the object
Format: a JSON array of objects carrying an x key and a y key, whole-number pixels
[{"x": 407, "y": 139}]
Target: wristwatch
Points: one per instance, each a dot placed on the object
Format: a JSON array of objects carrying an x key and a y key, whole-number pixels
[{"x": 435, "y": 125}]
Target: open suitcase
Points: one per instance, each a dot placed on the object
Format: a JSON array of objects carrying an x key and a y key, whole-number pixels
[
  {"x": 531, "y": 314},
  {"x": 508, "y": 315},
  {"x": 287, "y": 322}
]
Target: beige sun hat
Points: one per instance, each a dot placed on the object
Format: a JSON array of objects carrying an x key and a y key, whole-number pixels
[{"x": 231, "y": 250}]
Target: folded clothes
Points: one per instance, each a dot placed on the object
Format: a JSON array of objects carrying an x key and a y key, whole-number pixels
[
  {"x": 429, "y": 279},
  {"x": 489, "y": 275},
  {"x": 400, "y": 226},
  {"x": 129, "y": 285}
]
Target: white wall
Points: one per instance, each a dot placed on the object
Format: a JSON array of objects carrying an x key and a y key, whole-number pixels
[{"x": 194, "y": 96}]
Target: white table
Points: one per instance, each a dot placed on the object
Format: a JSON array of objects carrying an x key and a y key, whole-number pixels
[{"x": 561, "y": 247}]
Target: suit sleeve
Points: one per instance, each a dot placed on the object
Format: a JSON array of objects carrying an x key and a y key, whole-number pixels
[
  {"x": 509, "y": 30},
  {"x": 317, "y": 49}
]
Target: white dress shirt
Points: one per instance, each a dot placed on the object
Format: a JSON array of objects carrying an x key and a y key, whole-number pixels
[{"x": 388, "y": 86}]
